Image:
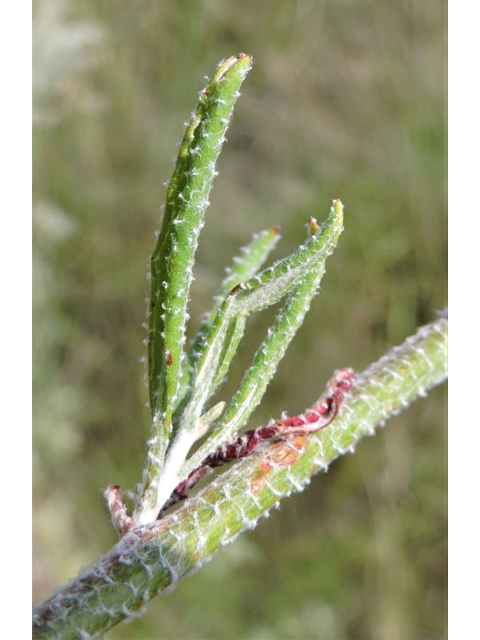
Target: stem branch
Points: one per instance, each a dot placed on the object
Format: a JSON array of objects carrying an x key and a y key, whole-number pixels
[{"x": 152, "y": 558}]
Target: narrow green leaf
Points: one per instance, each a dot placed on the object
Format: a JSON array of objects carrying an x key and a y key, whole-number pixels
[
  {"x": 257, "y": 293},
  {"x": 173, "y": 257},
  {"x": 244, "y": 267},
  {"x": 272, "y": 284},
  {"x": 264, "y": 366}
]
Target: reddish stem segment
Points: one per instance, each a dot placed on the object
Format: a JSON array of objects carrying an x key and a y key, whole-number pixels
[
  {"x": 120, "y": 519},
  {"x": 317, "y": 418}
]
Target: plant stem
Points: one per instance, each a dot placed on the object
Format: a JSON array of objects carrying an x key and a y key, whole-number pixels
[{"x": 151, "y": 558}]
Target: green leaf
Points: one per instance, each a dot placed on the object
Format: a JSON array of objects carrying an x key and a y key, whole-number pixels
[
  {"x": 264, "y": 366},
  {"x": 259, "y": 292},
  {"x": 243, "y": 268},
  {"x": 186, "y": 202},
  {"x": 173, "y": 257}
]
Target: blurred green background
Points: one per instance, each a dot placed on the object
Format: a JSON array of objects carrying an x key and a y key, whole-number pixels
[{"x": 346, "y": 99}]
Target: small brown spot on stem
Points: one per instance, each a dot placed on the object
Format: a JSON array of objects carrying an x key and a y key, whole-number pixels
[
  {"x": 286, "y": 453},
  {"x": 259, "y": 480},
  {"x": 169, "y": 359},
  {"x": 257, "y": 485}
]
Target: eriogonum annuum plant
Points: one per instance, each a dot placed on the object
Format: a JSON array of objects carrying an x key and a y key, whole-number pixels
[{"x": 269, "y": 462}]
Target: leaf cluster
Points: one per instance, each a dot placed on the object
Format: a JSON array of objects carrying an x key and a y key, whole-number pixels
[{"x": 182, "y": 382}]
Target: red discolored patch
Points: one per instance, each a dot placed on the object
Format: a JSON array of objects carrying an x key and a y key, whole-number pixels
[{"x": 290, "y": 435}]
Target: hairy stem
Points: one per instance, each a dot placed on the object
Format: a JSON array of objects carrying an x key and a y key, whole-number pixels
[{"x": 152, "y": 558}]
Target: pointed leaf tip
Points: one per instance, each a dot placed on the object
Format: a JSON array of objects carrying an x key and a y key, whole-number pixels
[{"x": 243, "y": 61}]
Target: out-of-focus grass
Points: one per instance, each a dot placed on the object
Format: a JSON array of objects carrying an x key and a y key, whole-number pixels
[{"x": 346, "y": 99}]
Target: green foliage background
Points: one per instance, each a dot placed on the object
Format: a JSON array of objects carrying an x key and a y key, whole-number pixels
[{"x": 346, "y": 100}]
